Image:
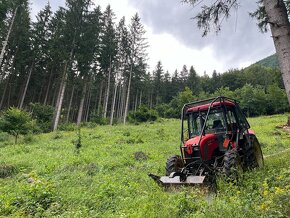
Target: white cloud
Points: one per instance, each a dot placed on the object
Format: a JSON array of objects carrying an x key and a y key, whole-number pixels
[{"x": 173, "y": 55}]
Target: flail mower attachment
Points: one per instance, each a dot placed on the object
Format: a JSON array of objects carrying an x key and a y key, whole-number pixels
[{"x": 177, "y": 179}]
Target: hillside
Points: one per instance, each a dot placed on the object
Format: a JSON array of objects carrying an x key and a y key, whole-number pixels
[
  {"x": 45, "y": 176},
  {"x": 270, "y": 61}
]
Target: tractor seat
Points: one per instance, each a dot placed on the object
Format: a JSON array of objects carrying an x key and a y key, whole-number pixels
[{"x": 217, "y": 124}]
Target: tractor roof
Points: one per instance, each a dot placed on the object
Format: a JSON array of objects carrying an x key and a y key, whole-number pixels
[{"x": 206, "y": 106}]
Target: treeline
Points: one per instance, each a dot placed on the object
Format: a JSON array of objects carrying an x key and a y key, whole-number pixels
[
  {"x": 80, "y": 64},
  {"x": 259, "y": 89},
  {"x": 79, "y": 60}
]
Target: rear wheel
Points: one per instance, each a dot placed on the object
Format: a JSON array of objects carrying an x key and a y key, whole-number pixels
[
  {"x": 174, "y": 164},
  {"x": 232, "y": 165}
]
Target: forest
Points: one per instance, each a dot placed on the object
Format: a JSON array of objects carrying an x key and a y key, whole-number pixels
[{"x": 80, "y": 64}]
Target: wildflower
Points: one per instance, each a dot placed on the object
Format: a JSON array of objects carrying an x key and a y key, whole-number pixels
[
  {"x": 265, "y": 185},
  {"x": 278, "y": 190},
  {"x": 264, "y": 206},
  {"x": 265, "y": 193},
  {"x": 280, "y": 177}
]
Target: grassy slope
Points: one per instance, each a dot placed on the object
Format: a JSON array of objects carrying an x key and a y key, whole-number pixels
[{"x": 105, "y": 179}]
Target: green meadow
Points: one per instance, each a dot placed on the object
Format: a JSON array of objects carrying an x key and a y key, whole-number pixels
[{"x": 47, "y": 176}]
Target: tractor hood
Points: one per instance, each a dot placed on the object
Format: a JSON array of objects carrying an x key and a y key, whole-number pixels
[{"x": 208, "y": 144}]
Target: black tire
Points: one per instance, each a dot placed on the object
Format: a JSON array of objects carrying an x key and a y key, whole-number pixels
[
  {"x": 259, "y": 159},
  {"x": 253, "y": 156},
  {"x": 174, "y": 164},
  {"x": 232, "y": 165}
]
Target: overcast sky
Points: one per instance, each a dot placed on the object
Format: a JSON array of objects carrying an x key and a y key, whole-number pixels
[{"x": 175, "y": 40}]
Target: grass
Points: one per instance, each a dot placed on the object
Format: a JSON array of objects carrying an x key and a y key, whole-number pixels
[{"x": 46, "y": 176}]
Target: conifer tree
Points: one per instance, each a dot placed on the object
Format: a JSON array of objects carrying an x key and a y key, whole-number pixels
[
  {"x": 108, "y": 51},
  {"x": 138, "y": 55}
]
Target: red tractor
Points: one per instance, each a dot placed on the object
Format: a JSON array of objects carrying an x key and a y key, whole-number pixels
[{"x": 215, "y": 137}]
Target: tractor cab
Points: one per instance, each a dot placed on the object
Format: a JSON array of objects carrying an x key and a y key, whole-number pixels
[{"x": 211, "y": 128}]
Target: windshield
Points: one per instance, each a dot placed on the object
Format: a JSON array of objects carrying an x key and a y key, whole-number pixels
[{"x": 215, "y": 122}]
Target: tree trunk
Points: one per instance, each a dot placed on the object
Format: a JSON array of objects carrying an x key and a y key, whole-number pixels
[
  {"x": 88, "y": 104},
  {"x": 7, "y": 37},
  {"x": 100, "y": 99},
  {"x": 107, "y": 93},
  {"x": 280, "y": 28},
  {"x": 4, "y": 92},
  {"x": 48, "y": 86},
  {"x": 26, "y": 86},
  {"x": 120, "y": 101},
  {"x": 140, "y": 101},
  {"x": 81, "y": 108},
  {"x": 113, "y": 104},
  {"x": 60, "y": 98},
  {"x": 54, "y": 96},
  {"x": 70, "y": 103},
  {"x": 136, "y": 102},
  {"x": 40, "y": 94},
  {"x": 119, "y": 104},
  {"x": 123, "y": 100},
  {"x": 4, "y": 67},
  {"x": 16, "y": 137},
  {"x": 128, "y": 96}
]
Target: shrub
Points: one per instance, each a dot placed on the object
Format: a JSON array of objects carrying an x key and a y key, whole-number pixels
[
  {"x": 95, "y": 118},
  {"x": 4, "y": 136},
  {"x": 143, "y": 114},
  {"x": 16, "y": 122},
  {"x": 43, "y": 115},
  {"x": 90, "y": 125},
  {"x": 67, "y": 127},
  {"x": 28, "y": 138}
]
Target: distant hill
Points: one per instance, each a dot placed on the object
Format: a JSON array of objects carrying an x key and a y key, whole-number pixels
[{"x": 270, "y": 61}]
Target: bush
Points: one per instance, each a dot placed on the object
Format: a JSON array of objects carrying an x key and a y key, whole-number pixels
[
  {"x": 28, "y": 138},
  {"x": 4, "y": 136},
  {"x": 143, "y": 114},
  {"x": 43, "y": 115},
  {"x": 67, "y": 127},
  {"x": 95, "y": 118},
  {"x": 16, "y": 122},
  {"x": 90, "y": 125}
]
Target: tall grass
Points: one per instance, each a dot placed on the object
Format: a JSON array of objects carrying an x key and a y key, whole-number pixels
[{"x": 106, "y": 178}]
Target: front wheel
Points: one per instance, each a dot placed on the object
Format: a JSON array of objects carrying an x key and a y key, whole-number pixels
[
  {"x": 232, "y": 165},
  {"x": 174, "y": 164}
]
